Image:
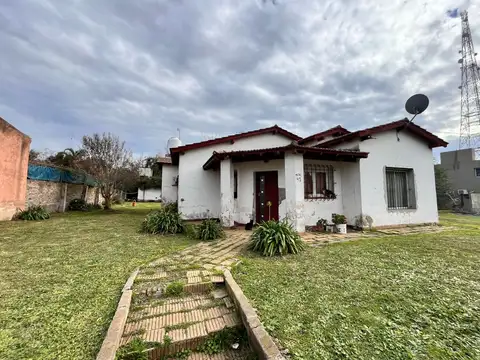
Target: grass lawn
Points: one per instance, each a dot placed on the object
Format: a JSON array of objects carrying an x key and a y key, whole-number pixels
[
  {"x": 408, "y": 297},
  {"x": 60, "y": 279}
]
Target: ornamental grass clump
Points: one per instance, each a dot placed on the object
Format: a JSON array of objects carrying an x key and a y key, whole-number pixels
[
  {"x": 163, "y": 221},
  {"x": 33, "y": 213},
  {"x": 276, "y": 238},
  {"x": 209, "y": 229}
]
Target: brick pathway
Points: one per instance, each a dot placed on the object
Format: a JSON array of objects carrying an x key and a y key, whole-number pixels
[{"x": 204, "y": 309}]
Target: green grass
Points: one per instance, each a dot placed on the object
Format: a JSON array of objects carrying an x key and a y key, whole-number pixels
[
  {"x": 60, "y": 279},
  {"x": 405, "y": 297}
]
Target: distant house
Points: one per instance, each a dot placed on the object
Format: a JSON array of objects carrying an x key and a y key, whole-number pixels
[
  {"x": 14, "y": 152},
  {"x": 462, "y": 169},
  {"x": 151, "y": 191},
  {"x": 385, "y": 172}
]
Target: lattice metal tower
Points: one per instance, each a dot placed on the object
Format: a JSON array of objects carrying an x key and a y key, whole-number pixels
[{"x": 470, "y": 104}]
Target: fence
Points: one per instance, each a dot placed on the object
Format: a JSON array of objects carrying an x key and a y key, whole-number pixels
[{"x": 54, "y": 187}]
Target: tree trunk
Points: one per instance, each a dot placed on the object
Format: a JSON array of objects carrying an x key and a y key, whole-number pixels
[{"x": 108, "y": 202}]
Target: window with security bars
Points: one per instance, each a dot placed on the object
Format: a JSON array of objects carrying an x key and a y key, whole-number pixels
[
  {"x": 318, "y": 182},
  {"x": 400, "y": 188}
]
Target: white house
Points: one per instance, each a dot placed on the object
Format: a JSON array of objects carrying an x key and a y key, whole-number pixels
[{"x": 385, "y": 172}]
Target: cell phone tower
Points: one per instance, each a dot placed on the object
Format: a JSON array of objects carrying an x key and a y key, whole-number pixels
[{"x": 470, "y": 103}]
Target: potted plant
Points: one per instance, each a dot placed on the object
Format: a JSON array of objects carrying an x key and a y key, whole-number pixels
[
  {"x": 321, "y": 225},
  {"x": 340, "y": 222}
]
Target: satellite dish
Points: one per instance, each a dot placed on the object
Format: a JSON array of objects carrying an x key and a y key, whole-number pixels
[{"x": 416, "y": 104}]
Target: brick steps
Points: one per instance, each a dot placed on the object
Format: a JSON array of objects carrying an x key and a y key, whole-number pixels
[{"x": 185, "y": 322}]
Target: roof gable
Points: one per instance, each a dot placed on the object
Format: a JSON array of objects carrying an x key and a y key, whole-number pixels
[
  {"x": 232, "y": 138},
  {"x": 404, "y": 124},
  {"x": 335, "y": 131}
]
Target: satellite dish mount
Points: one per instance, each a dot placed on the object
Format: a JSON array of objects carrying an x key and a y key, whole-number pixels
[{"x": 415, "y": 105}]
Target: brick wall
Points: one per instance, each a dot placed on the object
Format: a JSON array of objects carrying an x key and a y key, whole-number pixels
[
  {"x": 14, "y": 151},
  {"x": 50, "y": 194}
]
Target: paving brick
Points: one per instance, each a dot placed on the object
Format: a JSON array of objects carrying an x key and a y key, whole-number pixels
[
  {"x": 177, "y": 335},
  {"x": 215, "y": 324},
  {"x": 228, "y": 302},
  {"x": 196, "y": 330},
  {"x": 154, "y": 335},
  {"x": 193, "y": 273},
  {"x": 217, "y": 279},
  {"x": 231, "y": 320},
  {"x": 194, "y": 280},
  {"x": 195, "y": 316}
]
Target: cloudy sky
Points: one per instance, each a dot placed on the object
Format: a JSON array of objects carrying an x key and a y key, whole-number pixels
[{"x": 142, "y": 69}]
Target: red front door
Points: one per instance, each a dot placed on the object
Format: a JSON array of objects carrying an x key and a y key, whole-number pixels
[{"x": 266, "y": 186}]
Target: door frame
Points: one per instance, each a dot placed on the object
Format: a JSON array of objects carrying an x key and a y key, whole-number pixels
[{"x": 256, "y": 196}]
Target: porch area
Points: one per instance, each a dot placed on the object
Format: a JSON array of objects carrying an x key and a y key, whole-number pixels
[{"x": 298, "y": 183}]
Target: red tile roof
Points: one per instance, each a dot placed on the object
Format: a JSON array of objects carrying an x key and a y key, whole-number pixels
[
  {"x": 428, "y": 137},
  {"x": 278, "y": 153},
  {"x": 231, "y": 138},
  {"x": 335, "y": 131}
]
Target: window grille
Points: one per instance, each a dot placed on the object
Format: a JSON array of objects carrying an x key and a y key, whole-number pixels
[
  {"x": 400, "y": 188},
  {"x": 318, "y": 182}
]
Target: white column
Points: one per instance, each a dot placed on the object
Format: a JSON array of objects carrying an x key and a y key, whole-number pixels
[
  {"x": 294, "y": 191},
  {"x": 226, "y": 192}
]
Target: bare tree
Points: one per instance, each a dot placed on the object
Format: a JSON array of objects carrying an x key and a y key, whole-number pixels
[{"x": 107, "y": 159}]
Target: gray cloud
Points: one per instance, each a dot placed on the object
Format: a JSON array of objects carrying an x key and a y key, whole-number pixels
[{"x": 143, "y": 69}]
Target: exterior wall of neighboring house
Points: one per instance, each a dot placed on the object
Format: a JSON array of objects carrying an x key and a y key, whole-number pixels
[
  {"x": 460, "y": 167},
  {"x": 149, "y": 194},
  {"x": 199, "y": 190},
  {"x": 14, "y": 152},
  {"x": 169, "y": 188},
  {"x": 315, "y": 209},
  {"x": 410, "y": 153}
]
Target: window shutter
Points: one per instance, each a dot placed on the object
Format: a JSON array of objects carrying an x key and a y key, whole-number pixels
[{"x": 320, "y": 182}]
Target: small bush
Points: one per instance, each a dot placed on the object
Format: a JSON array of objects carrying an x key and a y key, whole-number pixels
[
  {"x": 163, "y": 222},
  {"x": 276, "y": 238},
  {"x": 77, "y": 205},
  {"x": 134, "y": 350},
  {"x": 171, "y": 207},
  {"x": 191, "y": 230},
  {"x": 93, "y": 207},
  {"x": 174, "y": 289},
  {"x": 209, "y": 229},
  {"x": 33, "y": 213},
  {"x": 338, "y": 219}
]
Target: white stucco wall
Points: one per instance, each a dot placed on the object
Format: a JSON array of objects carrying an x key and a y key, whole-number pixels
[
  {"x": 245, "y": 203},
  {"x": 199, "y": 190},
  {"x": 351, "y": 190},
  {"x": 149, "y": 194},
  {"x": 169, "y": 190},
  {"x": 316, "y": 209},
  {"x": 409, "y": 152}
]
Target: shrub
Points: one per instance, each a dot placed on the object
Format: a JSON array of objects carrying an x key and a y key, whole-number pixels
[
  {"x": 92, "y": 207},
  {"x": 134, "y": 350},
  {"x": 338, "y": 219},
  {"x": 171, "y": 207},
  {"x": 33, "y": 213},
  {"x": 174, "y": 289},
  {"x": 163, "y": 222},
  {"x": 209, "y": 229},
  {"x": 77, "y": 205},
  {"x": 276, "y": 238}
]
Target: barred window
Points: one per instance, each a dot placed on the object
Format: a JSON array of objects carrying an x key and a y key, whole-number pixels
[
  {"x": 318, "y": 182},
  {"x": 400, "y": 188}
]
